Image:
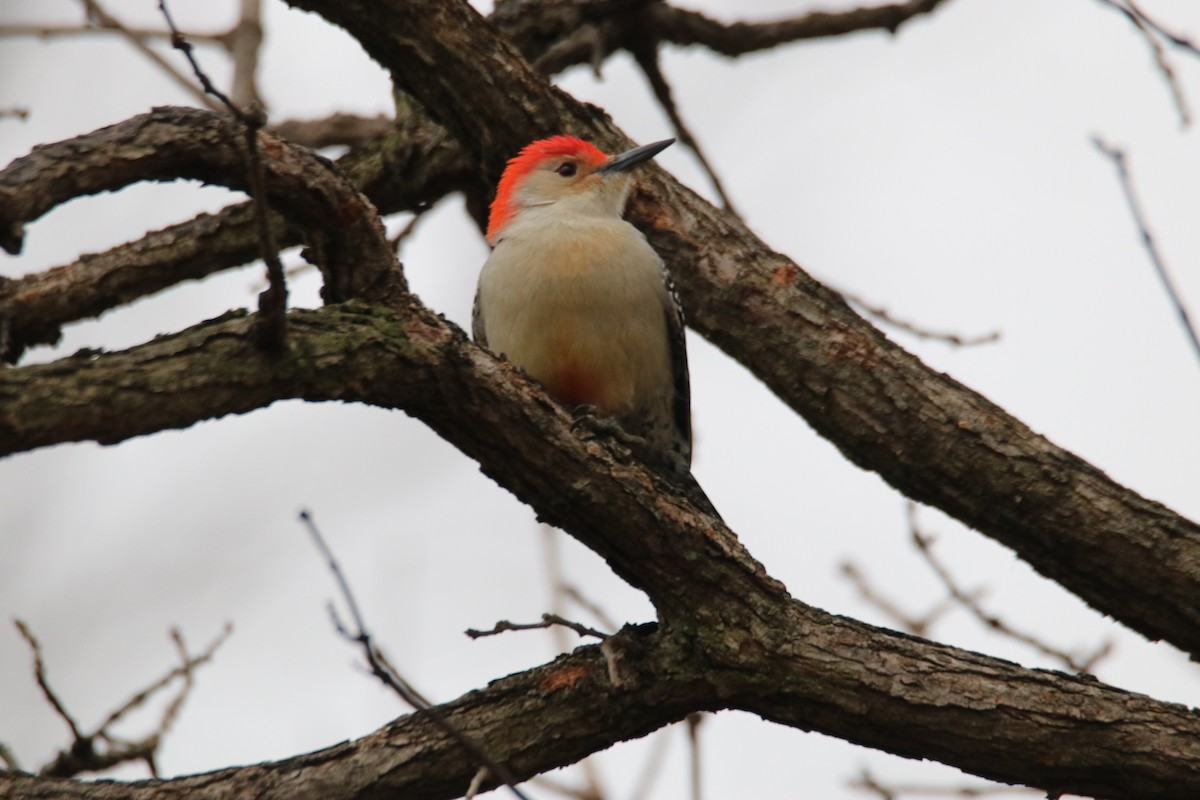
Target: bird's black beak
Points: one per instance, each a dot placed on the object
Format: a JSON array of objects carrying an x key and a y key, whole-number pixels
[{"x": 623, "y": 162}]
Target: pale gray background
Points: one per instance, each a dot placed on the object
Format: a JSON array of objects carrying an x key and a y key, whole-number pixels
[{"x": 945, "y": 173}]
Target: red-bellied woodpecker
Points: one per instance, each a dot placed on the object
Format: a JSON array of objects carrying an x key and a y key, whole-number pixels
[{"x": 575, "y": 295}]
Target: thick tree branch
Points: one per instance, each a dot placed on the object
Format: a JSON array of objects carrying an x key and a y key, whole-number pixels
[
  {"x": 556, "y": 34},
  {"x": 731, "y": 637},
  {"x": 404, "y": 170},
  {"x": 172, "y": 143},
  {"x": 930, "y": 437},
  {"x": 335, "y": 129}
]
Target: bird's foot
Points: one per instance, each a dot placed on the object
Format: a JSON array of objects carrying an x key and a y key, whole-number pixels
[{"x": 588, "y": 420}]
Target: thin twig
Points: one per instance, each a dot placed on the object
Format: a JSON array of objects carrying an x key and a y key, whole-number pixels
[
  {"x": 14, "y": 112},
  {"x": 184, "y": 670},
  {"x": 1118, "y": 158},
  {"x": 917, "y": 626},
  {"x": 694, "y": 721},
  {"x": 271, "y": 327},
  {"x": 867, "y": 782},
  {"x": 387, "y": 674},
  {"x": 476, "y": 782},
  {"x": 1139, "y": 20},
  {"x": 653, "y": 767},
  {"x": 548, "y": 620},
  {"x": 560, "y": 592},
  {"x": 138, "y": 39},
  {"x": 572, "y": 593},
  {"x": 335, "y": 129},
  {"x": 410, "y": 226},
  {"x": 244, "y": 43},
  {"x": 85, "y": 754},
  {"x": 970, "y": 601},
  {"x": 882, "y": 314},
  {"x": 1182, "y": 42},
  {"x": 101, "y": 24},
  {"x": 645, "y": 52},
  {"x": 39, "y": 672},
  {"x": 9, "y": 758},
  {"x": 564, "y": 790}
]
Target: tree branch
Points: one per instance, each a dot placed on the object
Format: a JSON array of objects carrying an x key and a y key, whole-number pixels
[
  {"x": 928, "y": 435},
  {"x": 172, "y": 143},
  {"x": 401, "y": 171},
  {"x": 730, "y": 637},
  {"x": 139, "y": 40},
  {"x": 556, "y": 34},
  {"x": 1120, "y": 161},
  {"x": 404, "y": 170}
]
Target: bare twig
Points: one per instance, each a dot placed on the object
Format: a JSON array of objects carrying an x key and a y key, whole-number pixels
[
  {"x": 39, "y": 672},
  {"x": 335, "y": 129},
  {"x": 14, "y": 112},
  {"x": 958, "y": 597},
  {"x": 101, "y": 750},
  {"x": 684, "y": 26},
  {"x": 564, "y": 790},
  {"x": 1182, "y": 42},
  {"x": 917, "y": 626},
  {"x": 590, "y": 32},
  {"x": 970, "y": 601},
  {"x": 244, "y": 43},
  {"x": 8, "y": 757},
  {"x": 410, "y": 226},
  {"x": 101, "y": 17},
  {"x": 645, "y": 52},
  {"x": 586, "y": 38},
  {"x": 572, "y": 593},
  {"x": 653, "y": 767},
  {"x": 548, "y": 620},
  {"x": 693, "y": 722},
  {"x": 1119, "y": 160},
  {"x": 1148, "y": 31},
  {"x": 101, "y": 24},
  {"x": 867, "y": 782},
  {"x": 883, "y": 315},
  {"x": 560, "y": 592},
  {"x": 387, "y": 674},
  {"x": 187, "y": 665},
  {"x": 476, "y": 782},
  {"x": 272, "y": 303}
]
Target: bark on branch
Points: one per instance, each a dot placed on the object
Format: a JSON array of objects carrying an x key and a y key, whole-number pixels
[
  {"x": 167, "y": 144},
  {"x": 414, "y": 165},
  {"x": 556, "y": 34},
  {"x": 402, "y": 170},
  {"x": 929, "y": 436},
  {"x": 730, "y": 636}
]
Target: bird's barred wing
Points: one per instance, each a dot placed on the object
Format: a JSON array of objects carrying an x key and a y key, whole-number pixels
[
  {"x": 478, "y": 333},
  {"x": 681, "y": 408}
]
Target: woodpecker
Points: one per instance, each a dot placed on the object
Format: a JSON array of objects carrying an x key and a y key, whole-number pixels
[{"x": 575, "y": 295}]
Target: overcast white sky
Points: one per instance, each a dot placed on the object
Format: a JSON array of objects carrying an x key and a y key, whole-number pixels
[{"x": 945, "y": 173}]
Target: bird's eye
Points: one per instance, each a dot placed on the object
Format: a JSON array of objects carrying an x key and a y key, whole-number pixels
[{"x": 566, "y": 169}]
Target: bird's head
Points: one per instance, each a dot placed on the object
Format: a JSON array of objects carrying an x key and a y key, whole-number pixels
[{"x": 563, "y": 169}]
